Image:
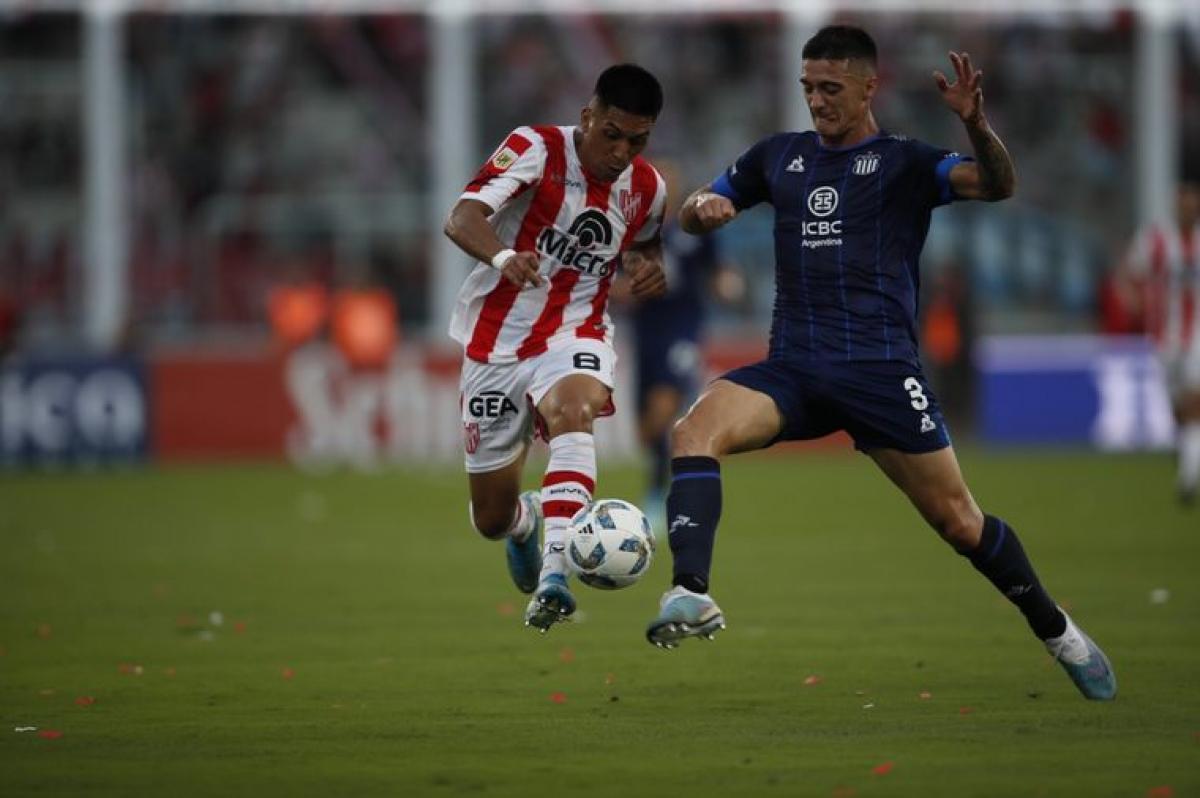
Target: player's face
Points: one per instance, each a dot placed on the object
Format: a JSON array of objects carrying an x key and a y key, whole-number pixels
[
  {"x": 610, "y": 139},
  {"x": 839, "y": 96}
]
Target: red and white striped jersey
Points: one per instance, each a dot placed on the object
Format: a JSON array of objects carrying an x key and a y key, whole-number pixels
[
  {"x": 1168, "y": 265},
  {"x": 545, "y": 202}
]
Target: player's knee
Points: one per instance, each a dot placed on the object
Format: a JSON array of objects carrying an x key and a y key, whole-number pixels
[
  {"x": 689, "y": 439},
  {"x": 960, "y": 523},
  {"x": 570, "y": 417},
  {"x": 490, "y": 520}
]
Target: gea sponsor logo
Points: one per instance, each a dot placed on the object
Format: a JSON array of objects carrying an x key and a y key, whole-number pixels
[{"x": 490, "y": 404}]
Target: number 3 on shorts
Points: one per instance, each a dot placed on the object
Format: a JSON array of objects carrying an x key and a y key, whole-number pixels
[{"x": 915, "y": 392}]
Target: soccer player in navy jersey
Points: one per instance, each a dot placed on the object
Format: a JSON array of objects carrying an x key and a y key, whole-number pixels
[{"x": 852, "y": 207}]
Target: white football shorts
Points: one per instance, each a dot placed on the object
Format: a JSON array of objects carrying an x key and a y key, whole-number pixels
[
  {"x": 499, "y": 399},
  {"x": 1183, "y": 371}
]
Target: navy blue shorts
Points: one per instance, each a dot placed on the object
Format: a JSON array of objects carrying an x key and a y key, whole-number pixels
[
  {"x": 674, "y": 361},
  {"x": 882, "y": 405}
]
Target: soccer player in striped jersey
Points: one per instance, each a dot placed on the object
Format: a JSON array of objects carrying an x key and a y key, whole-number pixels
[
  {"x": 549, "y": 218},
  {"x": 1166, "y": 261},
  {"x": 852, "y": 207}
]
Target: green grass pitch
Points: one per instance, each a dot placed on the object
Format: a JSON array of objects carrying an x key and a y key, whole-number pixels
[{"x": 258, "y": 631}]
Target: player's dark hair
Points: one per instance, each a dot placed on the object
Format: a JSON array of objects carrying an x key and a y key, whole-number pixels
[
  {"x": 630, "y": 88},
  {"x": 837, "y": 42}
]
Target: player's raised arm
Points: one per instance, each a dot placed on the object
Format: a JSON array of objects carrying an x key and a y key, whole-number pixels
[
  {"x": 468, "y": 227},
  {"x": 991, "y": 176},
  {"x": 705, "y": 211}
]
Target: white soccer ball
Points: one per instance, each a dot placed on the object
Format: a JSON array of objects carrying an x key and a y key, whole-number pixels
[{"x": 610, "y": 544}]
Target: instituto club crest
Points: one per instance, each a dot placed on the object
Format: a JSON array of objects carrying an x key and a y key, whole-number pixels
[
  {"x": 471, "y": 436},
  {"x": 631, "y": 203}
]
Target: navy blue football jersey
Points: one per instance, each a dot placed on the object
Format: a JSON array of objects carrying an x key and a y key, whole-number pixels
[{"x": 849, "y": 227}]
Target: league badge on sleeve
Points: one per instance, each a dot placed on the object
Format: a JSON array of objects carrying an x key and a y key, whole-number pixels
[{"x": 504, "y": 158}]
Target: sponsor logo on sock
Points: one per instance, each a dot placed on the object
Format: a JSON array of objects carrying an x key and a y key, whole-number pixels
[
  {"x": 1016, "y": 591},
  {"x": 681, "y": 521}
]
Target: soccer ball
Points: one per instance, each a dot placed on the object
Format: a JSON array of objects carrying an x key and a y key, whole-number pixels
[{"x": 610, "y": 544}]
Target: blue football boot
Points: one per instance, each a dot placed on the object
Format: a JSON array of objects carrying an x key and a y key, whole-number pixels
[
  {"x": 525, "y": 557},
  {"x": 551, "y": 604},
  {"x": 683, "y": 613},
  {"x": 1084, "y": 662}
]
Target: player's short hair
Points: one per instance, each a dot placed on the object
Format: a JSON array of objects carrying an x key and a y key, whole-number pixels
[
  {"x": 630, "y": 88},
  {"x": 837, "y": 42}
]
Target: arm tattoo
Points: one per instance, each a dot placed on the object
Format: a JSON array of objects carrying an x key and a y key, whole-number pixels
[{"x": 997, "y": 176}]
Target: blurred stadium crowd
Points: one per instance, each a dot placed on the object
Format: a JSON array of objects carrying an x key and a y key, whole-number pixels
[{"x": 267, "y": 151}]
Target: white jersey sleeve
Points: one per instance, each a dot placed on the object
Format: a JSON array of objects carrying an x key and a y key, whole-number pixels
[{"x": 517, "y": 164}]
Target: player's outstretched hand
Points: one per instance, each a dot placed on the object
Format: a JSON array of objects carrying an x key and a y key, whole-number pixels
[
  {"x": 712, "y": 210},
  {"x": 522, "y": 269},
  {"x": 646, "y": 277},
  {"x": 964, "y": 96}
]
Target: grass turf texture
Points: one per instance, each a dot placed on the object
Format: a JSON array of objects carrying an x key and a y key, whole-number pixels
[{"x": 371, "y": 644}]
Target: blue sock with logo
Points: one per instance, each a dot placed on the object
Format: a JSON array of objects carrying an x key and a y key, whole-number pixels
[
  {"x": 1001, "y": 558},
  {"x": 693, "y": 510}
]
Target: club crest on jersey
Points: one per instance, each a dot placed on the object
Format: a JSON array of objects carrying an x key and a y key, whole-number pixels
[
  {"x": 471, "y": 437},
  {"x": 504, "y": 158},
  {"x": 630, "y": 203},
  {"x": 865, "y": 164}
]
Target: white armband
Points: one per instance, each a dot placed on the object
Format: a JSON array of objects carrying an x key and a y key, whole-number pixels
[{"x": 501, "y": 258}]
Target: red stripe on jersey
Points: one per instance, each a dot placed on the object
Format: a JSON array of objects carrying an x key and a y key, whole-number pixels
[
  {"x": 549, "y": 198},
  {"x": 644, "y": 182},
  {"x": 560, "y": 509},
  {"x": 515, "y": 142},
  {"x": 597, "y": 192},
  {"x": 543, "y": 210},
  {"x": 591, "y": 327},
  {"x": 551, "y": 316},
  {"x": 559, "y": 477},
  {"x": 1189, "y": 318}
]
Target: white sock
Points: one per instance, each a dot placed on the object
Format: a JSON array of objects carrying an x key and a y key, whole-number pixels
[
  {"x": 522, "y": 523},
  {"x": 1069, "y": 646},
  {"x": 566, "y": 489},
  {"x": 1189, "y": 456}
]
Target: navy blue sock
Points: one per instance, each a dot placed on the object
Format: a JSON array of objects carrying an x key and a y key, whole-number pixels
[
  {"x": 693, "y": 510},
  {"x": 1002, "y": 560}
]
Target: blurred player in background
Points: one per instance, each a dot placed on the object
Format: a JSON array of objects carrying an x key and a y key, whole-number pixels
[
  {"x": 550, "y": 217},
  {"x": 852, "y": 208},
  {"x": 1166, "y": 262},
  {"x": 668, "y": 333}
]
